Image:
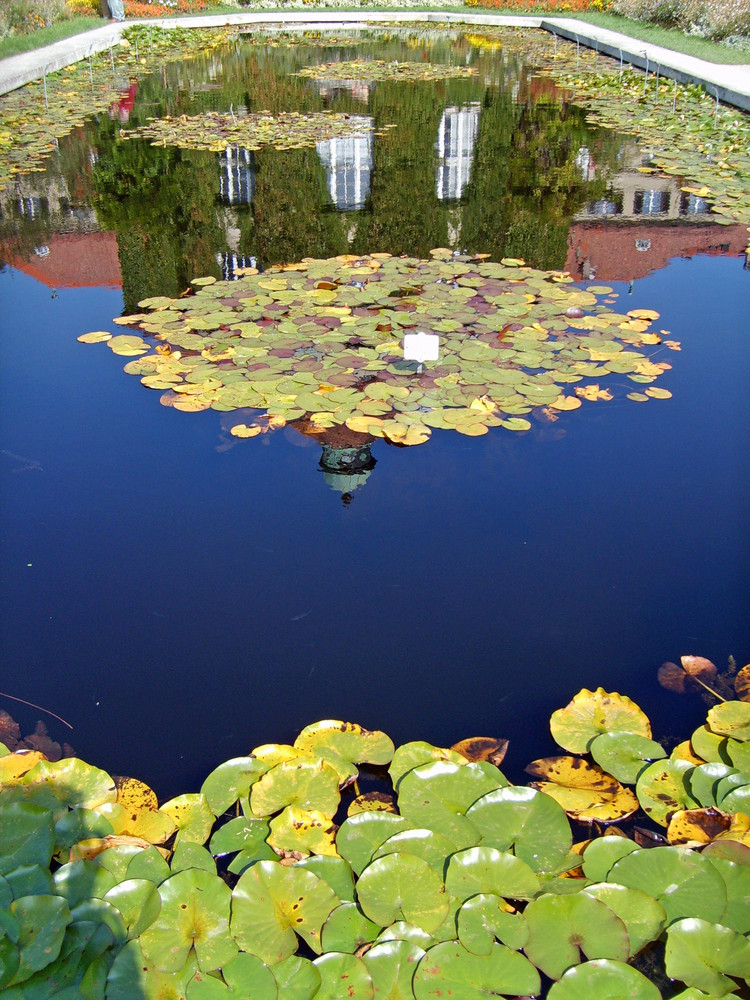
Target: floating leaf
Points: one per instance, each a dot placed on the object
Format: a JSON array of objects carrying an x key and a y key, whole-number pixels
[
  {"x": 584, "y": 791},
  {"x": 191, "y": 815},
  {"x": 347, "y": 929},
  {"x": 306, "y": 784},
  {"x": 486, "y": 917},
  {"x": 343, "y": 977},
  {"x": 194, "y": 916},
  {"x": 644, "y": 917},
  {"x": 351, "y": 741},
  {"x": 685, "y": 883},
  {"x": 272, "y": 904},
  {"x": 661, "y": 789},
  {"x": 97, "y": 337},
  {"x": 601, "y": 854},
  {"x": 449, "y": 969},
  {"x": 730, "y": 718},
  {"x": 563, "y": 927},
  {"x": 297, "y": 978},
  {"x": 603, "y": 979},
  {"x": 402, "y": 887},
  {"x": 697, "y": 826},
  {"x": 487, "y": 870},
  {"x": 593, "y": 712},
  {"x": 360, "y": 836},
  {"x": 437, "y": 796},
  {"x": 230, "y": 782},
  {"x": 624, "y": 755},
  {"x": 706, "y": 955},
  {"x": 391, "y": 965}
]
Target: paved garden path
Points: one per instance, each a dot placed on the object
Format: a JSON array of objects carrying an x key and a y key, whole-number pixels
[{"x": 729, "y": 83}]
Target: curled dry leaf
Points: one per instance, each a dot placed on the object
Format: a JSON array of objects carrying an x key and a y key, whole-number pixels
[{"x": 483, "y": 748}]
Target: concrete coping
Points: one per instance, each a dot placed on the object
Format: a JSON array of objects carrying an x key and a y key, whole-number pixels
[{"x": 728, "y": 83}]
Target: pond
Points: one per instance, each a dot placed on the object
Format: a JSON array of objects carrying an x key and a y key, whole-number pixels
[{"x": 179, "y": 594}]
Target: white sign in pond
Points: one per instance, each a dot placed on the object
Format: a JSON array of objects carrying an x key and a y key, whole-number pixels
[{"x": 421, "y": 347}]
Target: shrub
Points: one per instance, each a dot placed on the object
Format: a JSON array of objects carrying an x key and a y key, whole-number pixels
[
  {"x": 164, "y": 8},
  {"x": 83, "y": 8},
  {"x": 25, "y": 16},
  {"x": 715, "y": 19},
  {"x": 532, "y": 6}
]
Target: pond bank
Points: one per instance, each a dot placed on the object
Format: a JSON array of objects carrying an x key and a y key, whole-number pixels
[{"x": 730, "y": 84}]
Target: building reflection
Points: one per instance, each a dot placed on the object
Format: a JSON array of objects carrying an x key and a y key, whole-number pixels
[
  {"x": 457, "y": 135},
  {"x": 237, "y": 176},
  {"x": 643, "y": 220},
  {"x": 348, "y": 163}
]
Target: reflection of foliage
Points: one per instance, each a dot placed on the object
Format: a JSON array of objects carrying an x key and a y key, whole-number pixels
[
  {"x": 446, "y": 878},
  {"x": 372, "y": 70}
]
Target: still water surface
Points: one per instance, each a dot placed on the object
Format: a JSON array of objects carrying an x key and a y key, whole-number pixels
[{"x": 181, "y": 596}]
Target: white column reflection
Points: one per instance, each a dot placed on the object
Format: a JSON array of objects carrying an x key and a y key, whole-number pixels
[
  {"x": 237, "y": 176},
  {"x": 457, "y": 135},
  {"x": 348, "y": 163}
]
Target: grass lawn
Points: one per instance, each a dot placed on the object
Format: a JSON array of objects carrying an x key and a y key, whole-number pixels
[{"x": 671, "y": 39}]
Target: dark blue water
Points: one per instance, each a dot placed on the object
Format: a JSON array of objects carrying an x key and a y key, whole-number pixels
[{"x": 180, "y": 602}]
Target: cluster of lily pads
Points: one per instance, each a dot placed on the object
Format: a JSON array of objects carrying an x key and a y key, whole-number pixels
[
  {"x": 323, "y": 340},
  {"x": 34, "y": 117},
  {"x": 280, "y": 879},
  {"x": 682, "y": 128},
  {"x": 216, "y": 132},
  {"x": 373, "y": 70}
]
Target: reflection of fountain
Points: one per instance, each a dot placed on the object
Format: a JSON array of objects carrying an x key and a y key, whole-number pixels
[
  {"x": 457, "y": 135},
  {"x": 237, "y": 178},
  {"x": 348, "y": 163},
  {"x": 346, "y": 469}
]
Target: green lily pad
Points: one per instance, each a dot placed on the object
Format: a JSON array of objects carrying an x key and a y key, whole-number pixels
[
  {"x": 192, "y": 816},
  {"x": 563, "y": 927},
  {"x": 272, "y": 904},
  {"x": 245, "y": 977},
  {"x": 602, "y": 853},
  {"x": 27, "y": 880},
  {"x": 685, "y": 883},
  {"x": 347, "y": 929},
  {"x": 99, "y": 911},
  {"x": 624, "y": 755},
  {"x": 730, "y": 718},
  {"x": 662, "y": 789},
  {"x": 591, "y": 713},
  {"x": 230, "y": 782},
  {"x": 352, "y": 742},
  {"x": 425, "y": 844},
  {"x": 297, "y": 978},
  {"x": 486, "y": 917},
  {"x": 487, "y": 870},
  {"x": 239, "y": 834},
  {"x": 139, "y": 903},
  {"x": 80, "y": 824},
  {"x": 643, "y": 916},
  {"x": 189, "y": 855},
  {"x": 603, "y": 979},
  {"x": 343, "y": 977},
  {"x": 68, "y": 782},
  {"x": 737, "y": 881},
  {"x": 133, "y": 975},
  {"x": 710, "y": 746},
  {"x": 449, "y": 969},
  {"x": 149, "y": 864},
  {"x": 705, "y": 955},
  {"x": 41, "y": 928},
  {"x": 307, "y": 784},
  {"x": 391, "y": 965},
  {"x": 526, "y": 821},
  {"x": 194, "y": 916},
  {"x": 335, "y": 871},
  {"x": 360, "y": 836},
  {"x": 411, "y": 755},
  {"x": 27, "y": 834},
  {"x": 402, "y": 887},
  {"x": 438, "y": 795}
]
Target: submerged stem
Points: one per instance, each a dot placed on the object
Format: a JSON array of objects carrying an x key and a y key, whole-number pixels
[{"x": 32, "y": 705}]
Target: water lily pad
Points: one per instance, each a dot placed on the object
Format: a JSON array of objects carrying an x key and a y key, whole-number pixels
[
  {"x": 643, "y": 916},
  {"x": 335, "y": 871},
  {"x": 245, "y": 977},
  {"x": 526, "y": 821},
  {"x": 422, "y": 843},
  {"x": 624, "y": 755},
  {"x": 361, "y": 835},
  {"x": 391, "y": 965},
  {"x": 411, "y": 755},
  {"x": 591, "y": 713},
  {"x": 230, "y": 782},
  {"x": 296, "y": 978},
  {"x": 487, "y": 870},
  {"x": 661, "y": 789},
  {"x": 730, "y": 718},
  {"x": 139, "y": 903},
  {"x": 191, "y": 815},
  {"x": 27, "y": 833},
  {"x": 351, "y": 741},
  {"x": 450, "y": 968},
  {"x": 685, "y": 883},
  {"x": 305, "y": 830},
  {"x": 603, "y": 979},
  {"x": 487, "y": 917},
  {"x": 402, "y": 887},
  {"x": 437, "y": 796},
  {"x": 240, "y": 834},
  {"x": 705, "y": 955},
  {"x": 347, "y": 929},
  {"x": 194, "y": 916},
  {"x": 41, "y": 928},
  {"x": 133, "y": 975},
  {"x": 272, "y": 904},
  {"x": 306, "y": 784},
  {"x": 343, "y": 977}
]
